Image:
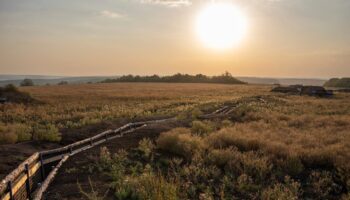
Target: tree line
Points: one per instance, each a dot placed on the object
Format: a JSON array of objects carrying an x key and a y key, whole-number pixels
[{"x": 225, "y": 78}]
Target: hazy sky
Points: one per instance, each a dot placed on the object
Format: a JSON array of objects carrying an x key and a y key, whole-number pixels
[{"x": 285, "y": 38}]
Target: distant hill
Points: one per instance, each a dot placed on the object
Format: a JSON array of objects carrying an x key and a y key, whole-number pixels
[
  {"x": 7, "y": 77},
  {"x": 53, "y": 80},
  {"x": 338, "y": 82},
  {"x": 283, "y": 81}
]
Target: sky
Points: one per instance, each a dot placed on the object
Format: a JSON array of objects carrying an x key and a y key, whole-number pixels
[{"x": 284, "y": 38}]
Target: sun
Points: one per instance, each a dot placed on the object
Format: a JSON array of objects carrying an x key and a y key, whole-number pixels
[{"x": 221, "y": 25}]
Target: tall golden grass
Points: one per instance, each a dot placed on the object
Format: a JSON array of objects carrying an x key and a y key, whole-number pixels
[{"x": 72, "y": 106}]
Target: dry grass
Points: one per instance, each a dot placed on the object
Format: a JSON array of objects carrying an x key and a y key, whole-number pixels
[
  {"x": 273, "y": 147},
  {"x": 72, "y": 106}
]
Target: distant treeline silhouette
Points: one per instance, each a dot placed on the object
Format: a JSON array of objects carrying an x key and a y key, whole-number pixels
[
  {"x": 336, "y": 82},
  {"x": 225, "y": 78}
]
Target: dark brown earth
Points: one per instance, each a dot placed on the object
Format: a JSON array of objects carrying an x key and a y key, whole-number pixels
[
  {"x": 76, "y": 169},
  {"x": 13, "y": 154}
]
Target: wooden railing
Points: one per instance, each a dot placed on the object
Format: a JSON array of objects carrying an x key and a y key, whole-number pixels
[{"x": 32, "y": 177}]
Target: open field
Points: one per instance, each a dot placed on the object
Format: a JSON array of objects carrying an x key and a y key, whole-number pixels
[
  {"x": 269, "y": 146},
  {"x": 76, "y": 106},
  {"x": 72, "y": 112}
]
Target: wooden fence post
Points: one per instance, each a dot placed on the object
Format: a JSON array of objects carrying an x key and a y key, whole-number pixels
[
  {"x": 9, "y": 187},
  {"x": 28, "y": 182},
  {"x": 42, "y": 167}
]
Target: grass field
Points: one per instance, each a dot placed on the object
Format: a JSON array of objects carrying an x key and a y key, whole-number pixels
[
  {"x": 272, "y": 146},
  {"x": 72, "y": 106}
]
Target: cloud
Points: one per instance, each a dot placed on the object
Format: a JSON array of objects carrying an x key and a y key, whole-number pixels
[
  {"x": 169, "y": 3},
  {"x": 111, "y": 14}
]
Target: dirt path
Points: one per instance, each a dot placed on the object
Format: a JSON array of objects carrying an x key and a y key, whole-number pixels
[{"x": 65, "y": 185}]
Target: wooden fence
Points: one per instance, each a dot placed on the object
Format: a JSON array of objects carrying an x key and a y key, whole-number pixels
[{"x": 32, "y": 177}]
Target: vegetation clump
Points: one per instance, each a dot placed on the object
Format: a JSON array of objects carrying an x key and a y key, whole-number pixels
[
  {"x": 27, "y": 82},
  {"x": 10, "y": 93},
  {"x": 338, "y": 82}
]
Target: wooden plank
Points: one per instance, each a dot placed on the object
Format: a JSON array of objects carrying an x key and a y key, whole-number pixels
[
  {"x": 55, "y": 158},
  {"x": 22, "y": 181},
  {"x": 45, "y": 185},
  {"x": 16, "y": 172}
]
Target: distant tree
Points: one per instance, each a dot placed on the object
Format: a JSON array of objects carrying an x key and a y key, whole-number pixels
[
  {"x": 336, "y": 82},
  {"x": 27, "y": 82},
  {"x": 63, "y": 83}
]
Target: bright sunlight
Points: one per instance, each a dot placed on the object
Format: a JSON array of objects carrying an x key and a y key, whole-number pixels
[{"x": 221, "y": 25}]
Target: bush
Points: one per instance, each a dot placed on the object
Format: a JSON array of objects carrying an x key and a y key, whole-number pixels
[
  {"x": 179, "y": 141},
  {"x": 245, "y": 185},
  {"x": 47, "y": 132},
  {"x": 7, "y": 135},
  {"x": 23, "y": 132},
  {"x": 149, "y": 186},
  {"x": 321, "y": 184},
  {"x": 226, "y": 123},
  {"x": 220, "y": 157},
  {"x": 27, "y": 82},
  {"x": 292, "y": 166},
  {"x": 256, "y": 166},
  {"x": 287, "y": 191},
  {"x": 12, "y": 133},
  {"x": 201, "y": 128},
  {"x": 146, "y": 146},
  {"x": 231, "y": 137}
]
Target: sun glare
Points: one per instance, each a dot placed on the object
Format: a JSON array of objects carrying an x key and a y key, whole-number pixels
[{"x": 221, "y": 25}]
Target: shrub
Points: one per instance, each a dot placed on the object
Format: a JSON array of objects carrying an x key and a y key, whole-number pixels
[
  {"x": 287, "y": 191},
  {"x": 93, "y": 195},
  {"x": 255, "y": 165},
  {"x": 292, "y": 166},
  {"x": 23, "y": 132},
  {"x": 195, "y": 113},
  {"x": 47, "y": 132},
  {"x": 201, "y": 128},
  {"x": 245, "y": 185},
  {"x": 179, "y": 141},
  {"x": 150, "y": 186},
  {"x": 232, "y": 137},
  {"x": 226, "y": 123},
  {"x": 220, "y": 157},
  {"x": 27, "y": 82},
  {"x": 146, "y": 146},
  {"x": 321, "y": 184}
]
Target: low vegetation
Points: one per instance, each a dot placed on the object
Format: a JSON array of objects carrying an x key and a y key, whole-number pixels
[
  {"x": 66, "y": 107},
  {"x": 272, "y": 147},
  {"x": 10, "y": 93}
]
